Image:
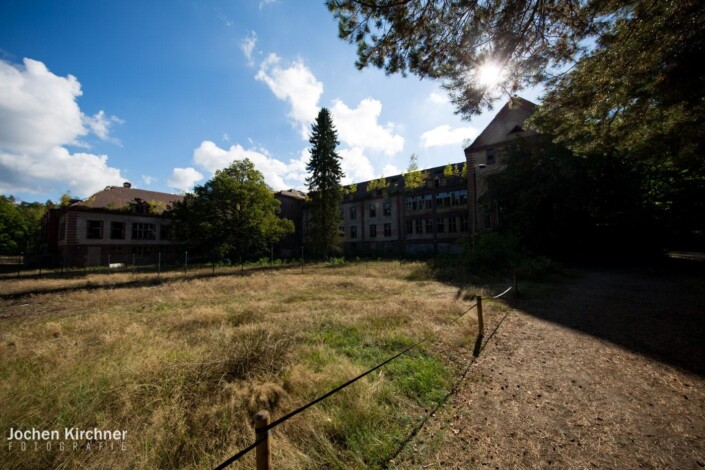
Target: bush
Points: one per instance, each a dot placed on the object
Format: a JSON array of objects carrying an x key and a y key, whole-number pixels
[{"x": 339, "y": 261}]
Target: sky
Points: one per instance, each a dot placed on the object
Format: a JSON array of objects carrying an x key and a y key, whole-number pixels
[{"x": 164, "y": 93}]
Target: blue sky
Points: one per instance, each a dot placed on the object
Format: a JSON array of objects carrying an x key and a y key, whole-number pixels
[{"x": 162, "y": 94}]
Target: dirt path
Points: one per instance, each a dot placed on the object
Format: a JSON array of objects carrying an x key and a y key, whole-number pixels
[{"x": 606, "y": 373}]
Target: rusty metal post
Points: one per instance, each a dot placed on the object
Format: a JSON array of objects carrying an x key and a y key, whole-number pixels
[
  {"x": 480, "y": 319},
  {"x": 264, "y": 448}
]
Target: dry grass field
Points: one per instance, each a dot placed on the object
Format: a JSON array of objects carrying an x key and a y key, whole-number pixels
[{"x": 183, "y": 365}]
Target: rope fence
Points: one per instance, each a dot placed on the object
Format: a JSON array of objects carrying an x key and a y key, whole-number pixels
[{"x": 263, "y": 426}]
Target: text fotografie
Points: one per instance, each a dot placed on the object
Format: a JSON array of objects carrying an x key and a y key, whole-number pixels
[{"x": 69, "y": 434}]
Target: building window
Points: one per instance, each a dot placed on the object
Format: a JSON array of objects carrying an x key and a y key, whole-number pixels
[
  {"x": 440, "y": 225},
  {"x": 464, "y": 226},
  {"x": 488, "y": 221},
  {"x": 117, "y": 230},
  {"x": 166, "y": 232},
  {"x": 373, "y": 231},
  {"x": 419, "y": 226},
  {"x": 490, "y": 156},
  {"x": 353, "y": 231},
  {"x": 429, "y": 225},
  {"x": 428, "y": 201},
  {"x": 143, "y": 231},
  {"x": 409, "y": 227},
  {"x": 462, "y": 197},
  {"x": 353, "y": 213},
  {"x": 444, "y": 182},
  {"x": 452, "y": 198},
  {"x": 94, "y": 229},
  {"x": 373, "y": 210},
  {"x": 408, "y": 203},
  {"x": 452, "y": 225},
  {"x": 387, "y": 230},
  {"x": 62, "y": 230},
  {"x": 387, "y": 209}
]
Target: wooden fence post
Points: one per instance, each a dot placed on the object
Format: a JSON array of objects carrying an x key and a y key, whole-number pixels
[
  {"x": 263, "y": 451},
  {"x": 480, "y": 319}
]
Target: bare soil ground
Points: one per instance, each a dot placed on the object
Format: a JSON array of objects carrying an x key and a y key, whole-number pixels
[{"x": 607, "y": 371}]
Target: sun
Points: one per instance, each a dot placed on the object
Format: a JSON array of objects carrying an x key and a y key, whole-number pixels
[{"x": 489, "y": 75}]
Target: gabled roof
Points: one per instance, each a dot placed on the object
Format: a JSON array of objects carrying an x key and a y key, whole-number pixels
[
  {"x": 506, "y": 125},
  {"x": 121, "y": 198}
]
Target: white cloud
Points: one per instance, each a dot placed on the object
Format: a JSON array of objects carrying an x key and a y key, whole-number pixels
[
  {"x": 100, "y": 125},
  {"x": 390, "y": 170},
  {"x": 355, "y": 165},
  {"x": 296, "y": 85},
  {"x": 264, "y": 3},
  {"x": 277, "y": 174},
  {"x": 226, "y": 137},
  {"x": 248, "y": 46},
  {"x": 445, "y": 135},
  {"x": 438, "y": 98},
  {"x": 184, "y": 179},
  {"x": 82, "y": 173},
  {"x": 40, "y": 116},
  {"x": 148, "y": 179},
  {"x": 358, "y": 127}
]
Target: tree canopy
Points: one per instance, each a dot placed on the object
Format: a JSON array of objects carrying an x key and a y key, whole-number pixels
[
  {"x": 325, "y": 192},
  {"x": 21, "y": 225},
  {"x": 571, "y": 207},
  {"x": 452, "y": 40},
  {"x": 232, "y": 214}
]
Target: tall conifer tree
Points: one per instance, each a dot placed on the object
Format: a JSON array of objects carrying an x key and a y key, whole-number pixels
[{"x": 325, "y": 192}]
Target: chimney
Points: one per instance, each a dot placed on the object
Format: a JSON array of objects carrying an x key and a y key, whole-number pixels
[{"x": 126, "y": 184}]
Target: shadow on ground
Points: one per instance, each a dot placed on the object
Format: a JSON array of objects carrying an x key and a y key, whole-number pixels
[{"x": 659, "y": 313}]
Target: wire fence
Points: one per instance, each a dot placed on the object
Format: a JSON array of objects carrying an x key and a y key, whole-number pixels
[{"x": 263, "y": 431}]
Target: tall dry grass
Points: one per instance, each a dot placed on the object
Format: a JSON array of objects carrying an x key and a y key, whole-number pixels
[{"x": 183, "y": 366}]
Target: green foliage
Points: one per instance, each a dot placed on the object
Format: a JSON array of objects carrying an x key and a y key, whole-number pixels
[
  {"x": 350, "y": 189},
  {"x": 452, "y": 171},
  {"x": 414, "y": 178},
  {"x": 561, "y": 204},
  {"x": 233, "y": 214},
  {"x": 325, "y": 192},
  {"x": 641, "y": 91},
  {"x": 380, "y": 184},
  {"x": 451, "y": 40},
  {"x": 20, "y": 226},
  {"x": 337, "y": 261}
]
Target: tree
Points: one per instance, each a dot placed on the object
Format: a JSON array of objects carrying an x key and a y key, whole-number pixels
[
  {"x": 414, "y": 178},
  {"x": 454, "y": 40},
  {"x": 640, "y": 98},
  {"x": 234, "y": 213},
  {"x": 641, "y": 92},
  {"x": 325, "y": 192},
  {"x": 20, "y": 226},
  {"x": 562, "y": 204}
]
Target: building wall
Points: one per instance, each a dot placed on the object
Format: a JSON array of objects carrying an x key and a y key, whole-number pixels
[
  {"x": 417, "y": 222},
  {"x": 80, "y": 243},
  {"x": 292, "y": 209},
  {"x": 490, "y": 149}
]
